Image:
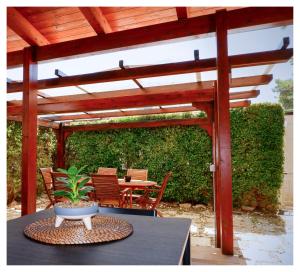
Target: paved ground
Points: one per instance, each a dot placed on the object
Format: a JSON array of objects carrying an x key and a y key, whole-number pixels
[{"x": 259, "y": 238}]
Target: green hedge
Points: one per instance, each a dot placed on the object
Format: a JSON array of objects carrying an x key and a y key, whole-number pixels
[
  {"x": 257, "y": 155},
  {"x": 46, "y": 148}
]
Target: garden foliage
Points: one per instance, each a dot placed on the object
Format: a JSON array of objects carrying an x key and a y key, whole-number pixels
[{"x": 257, "y": 155}]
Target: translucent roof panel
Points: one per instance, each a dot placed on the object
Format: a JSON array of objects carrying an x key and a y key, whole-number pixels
[
  {"x": 110, "y": 86},
  {"x": 239, "y": 43}
]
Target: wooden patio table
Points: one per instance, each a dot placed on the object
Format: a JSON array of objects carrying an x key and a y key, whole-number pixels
[
  {"x": 154, "y": 241},
  {"x": 135, "y": 184}
]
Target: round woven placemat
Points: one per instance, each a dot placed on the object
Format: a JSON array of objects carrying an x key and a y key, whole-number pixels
[{"x": 105, "y": 229}]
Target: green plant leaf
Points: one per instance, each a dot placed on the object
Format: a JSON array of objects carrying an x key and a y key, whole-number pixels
[
  {"x": 64, "y": 171},
  {"x": 72, "y": 171},
  {"x": 83, "y": 182},
  {"x": 81, "y": 169}
]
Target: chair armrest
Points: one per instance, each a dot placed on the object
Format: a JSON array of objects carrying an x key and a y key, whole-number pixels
[{"x": 125, "y": 191}]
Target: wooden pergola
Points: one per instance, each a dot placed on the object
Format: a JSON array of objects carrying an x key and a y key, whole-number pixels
[{"x": 35, "y": 37}]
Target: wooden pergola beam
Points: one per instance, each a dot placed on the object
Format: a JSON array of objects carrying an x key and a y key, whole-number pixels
[
  {"x": 236, "y": 61},
  {"x": 224, "y": 167},
  {"x": 239, "y": 19},
  {"x": 237, "y": 104},
  {"x": 235, "y": 82},
  {"x": 143, "y": 100},
  {"x": 181, "y": 13},
  {"x": 203, "y": 122},
  {"x": 96, "y": 19},
  {"x": 29, "y": 133},
  {"x": 20, "y": 25},
  {"x": 138, "y": 100},
  {"x": 40, "y": 122}
]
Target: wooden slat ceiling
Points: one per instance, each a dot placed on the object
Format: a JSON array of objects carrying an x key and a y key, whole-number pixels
[{"x": 59, "y": 24}]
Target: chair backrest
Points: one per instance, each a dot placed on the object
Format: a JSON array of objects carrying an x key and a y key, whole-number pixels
[
  {"x": 105, "y": 210},
  {"x": 48, "y": 184},
  {"x": 162, "y": 189},
  {"x": 57, "y": 184},
  {"x": 107, "y": 171},
  {"x": 106, "y": 187},
  {"x": 141, "y": 174}
]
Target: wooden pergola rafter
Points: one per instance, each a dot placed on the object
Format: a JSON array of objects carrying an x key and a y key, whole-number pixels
[{"x": 212, "y": 97}]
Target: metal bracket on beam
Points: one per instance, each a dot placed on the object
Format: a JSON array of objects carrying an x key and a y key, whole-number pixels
[
  {"x": 285, "y": 43},
  {"x": 61, "y": 74},
  {"x": 121, "y": 65},
  {"x": 196, "y": 54},
  {"x": 197, "y": 58}
]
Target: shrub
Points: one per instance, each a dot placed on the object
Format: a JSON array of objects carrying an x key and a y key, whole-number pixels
[{"x": 257, "y": 155}]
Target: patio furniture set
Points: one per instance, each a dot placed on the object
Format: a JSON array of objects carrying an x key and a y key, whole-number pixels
[
  {"x": 166, "y": 240},
  {"x": 111, "y": 191}
]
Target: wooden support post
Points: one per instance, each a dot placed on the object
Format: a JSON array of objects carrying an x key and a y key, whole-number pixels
[
  {"x": 216, "y": 179},
  {"x": 29, "y": 132},
  {"x": 60, "y": 147},
  {"x": 224, "y": 139}
]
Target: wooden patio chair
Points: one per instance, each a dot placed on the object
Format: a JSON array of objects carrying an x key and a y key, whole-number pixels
[
  {"x": 48, "y": 185},
  {"x": 140, "y": 174},
  {"x": 108, "y": 192},
  {"x": 149, "y": 203},
  {"x": 107, "y": 171},
  {"x": 58, "y": 185}
]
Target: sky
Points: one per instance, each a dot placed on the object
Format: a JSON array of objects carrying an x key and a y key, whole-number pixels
[{"x": 238, "y": 43}]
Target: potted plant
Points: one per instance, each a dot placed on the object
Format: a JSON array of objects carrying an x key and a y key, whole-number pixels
[{"x": 77, "y": 206}]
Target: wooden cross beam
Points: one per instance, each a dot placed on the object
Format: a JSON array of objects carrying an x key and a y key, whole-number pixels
[
  {"x": 245, "y": 18},
  {"x": 21, "y": 26},
  {"x": 202, "y": 122},
  {"x": 237, "y": 61},
  {"x": 96, "y": 19},
  {"x": 235, "y": 82},
  {"x": 178, "y": 109},
  {"x": 182, "y": 13},
  {"x": 136, "y": 100},
  {"x": 40, "y": 121},
  {"x": 143, "y": 100}
]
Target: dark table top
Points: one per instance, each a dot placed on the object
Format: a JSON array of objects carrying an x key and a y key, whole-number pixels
[{"x": 155, "y": 241}]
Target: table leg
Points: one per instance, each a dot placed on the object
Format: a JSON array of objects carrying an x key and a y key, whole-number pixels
[
  {"x": 187, "y": 252},
  {"x": 58, "y": 221}
]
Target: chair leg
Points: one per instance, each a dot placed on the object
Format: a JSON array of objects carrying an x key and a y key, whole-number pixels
[
  {"x": 49, "y": 205},
  {"x": 159, "y": 213}
]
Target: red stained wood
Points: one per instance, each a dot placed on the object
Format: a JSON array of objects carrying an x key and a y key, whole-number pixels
[
  {"x": 202, "y": 122},
  {"x": 244, "y": 103},
  {"x": 249, "y": 18},
  {"x": 223, "y": 133},
  {"x": 19, "y": 24},
  {"x": 181, "y": 13},
  {"x": 40, "y": 122},
  {"x": 240, "y": 104},
  {"x": 155, "y": 96},
  {"x": 60, "y": 147},
  {"x": 165, "y": 89},
  {"x": 237, "y": 61},
  {"x": 29, "y": 133},
  {"x": 143, "y": 100},
  {"x": 96, "y": 19},
  {"x": 216, "y": 176}
]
